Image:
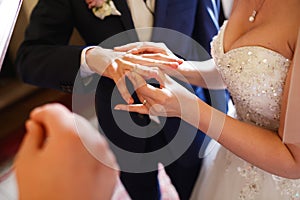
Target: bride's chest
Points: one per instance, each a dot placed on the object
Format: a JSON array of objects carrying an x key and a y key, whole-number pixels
[{"x": 255, "y": 78}]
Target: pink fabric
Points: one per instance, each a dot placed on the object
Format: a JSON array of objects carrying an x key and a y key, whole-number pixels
[
  {"x": 168, "y": 191},
  {"x": 291, "y": 133}
]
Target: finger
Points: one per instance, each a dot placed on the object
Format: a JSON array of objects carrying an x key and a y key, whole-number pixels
[
  {"x": 144, "y": 90},
  {"x": 141, "y": 86},
  {"x": 40, "y": 114},
  {"x": 91, "y": 5},
  {"x": 127, "y": 66},
  {"x": 157, "y": 75},
  {"x": 34, "y": 138},
  {"x": 121, "y": 85},
  {"x": 124, "y": 65},
  {"x": 143, "y": 108},
  {"x": 163, "y": 79},
  {"x": 128, "y": 47},
  {"x": 150, "y": 62},
  {"x": 146, "y": 72},
  {"x": 136, "y": 80},
  {"x": 166, "y": 81},
  {"x": 147, "y": 50},
  {"x": 159, "y": 56},
  {"x": 53, "y": 116},
  {"x": 141, "y": 47},
  {"x": 139, "y": 108}
]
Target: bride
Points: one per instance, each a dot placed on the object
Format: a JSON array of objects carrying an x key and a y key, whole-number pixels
[{"x": 253, "y": 56}]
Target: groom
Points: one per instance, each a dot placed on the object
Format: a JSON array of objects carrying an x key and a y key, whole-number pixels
[{"x": 45, "y": 59}]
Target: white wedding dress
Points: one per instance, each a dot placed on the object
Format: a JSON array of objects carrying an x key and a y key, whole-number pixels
[{"x": 255, "y": 77}]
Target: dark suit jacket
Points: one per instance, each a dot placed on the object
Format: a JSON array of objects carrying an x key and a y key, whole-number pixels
[{"x": 44, "y": 59}]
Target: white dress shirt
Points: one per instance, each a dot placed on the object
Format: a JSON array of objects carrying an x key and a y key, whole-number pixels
[{"x": 227, "y": 5}]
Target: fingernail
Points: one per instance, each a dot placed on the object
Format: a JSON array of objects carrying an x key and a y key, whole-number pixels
[
  {"x": 174, "y": 65},
  {"x": 130, "y": 101},
  {"x": 117, "y": 107}
]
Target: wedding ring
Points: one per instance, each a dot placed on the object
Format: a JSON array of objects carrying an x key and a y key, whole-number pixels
[{"x": 144, "y": 102}]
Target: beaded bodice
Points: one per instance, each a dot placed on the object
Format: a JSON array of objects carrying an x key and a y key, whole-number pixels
[{"x": 255, "y": 77}]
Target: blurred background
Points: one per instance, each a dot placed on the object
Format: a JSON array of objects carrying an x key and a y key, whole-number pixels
[{"x": 17, "y": 99}]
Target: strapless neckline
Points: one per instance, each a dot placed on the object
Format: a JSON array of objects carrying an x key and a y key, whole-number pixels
[
  {"x": 242, "y": 48},
  {"x": 254, "y": 76}
]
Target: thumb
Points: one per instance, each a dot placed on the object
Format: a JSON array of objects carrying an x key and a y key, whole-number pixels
[
  {"x": 53, "y": 119},
  {"x": 34, "y": 138}
]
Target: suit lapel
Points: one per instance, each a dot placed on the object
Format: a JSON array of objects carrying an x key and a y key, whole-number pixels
[
  {"x": 173, "y": 14},
  {"x": 160, "y": 12}
]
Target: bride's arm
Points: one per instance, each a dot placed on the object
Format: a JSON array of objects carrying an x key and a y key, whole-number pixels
[
  {"x": 259, "y": 146},
  {"x": 200, "y": 73}
]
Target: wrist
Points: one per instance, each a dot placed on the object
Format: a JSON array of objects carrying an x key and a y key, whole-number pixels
[
  {"x": 192, "y": 113},
  {"x": 85, "y": 70},
  {"x": 89, "y": 56}
]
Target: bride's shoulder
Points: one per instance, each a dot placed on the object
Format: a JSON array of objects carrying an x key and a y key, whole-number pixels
[
  {"x": 293, "y": 28},
  {"x": 287, "y": 25}
]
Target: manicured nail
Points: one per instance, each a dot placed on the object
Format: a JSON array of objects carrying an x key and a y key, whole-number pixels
[
  {"x": 117, "y": 107},
  {"x": 174, "y": 65},
  {"x": 130, "y": 101},
  {"x": 180, "y": 61}
]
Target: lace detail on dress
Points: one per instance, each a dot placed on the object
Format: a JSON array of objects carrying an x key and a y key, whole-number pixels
[
  {"x": 253, "y": 182},
  {"x": 255, "y": 77},
  {"x": 252, "y": 176}
]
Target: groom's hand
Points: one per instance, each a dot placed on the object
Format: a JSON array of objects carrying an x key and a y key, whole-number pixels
[{"x": 121, "y": 63}]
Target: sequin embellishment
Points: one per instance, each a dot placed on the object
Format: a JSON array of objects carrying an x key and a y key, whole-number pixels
[{"x": 255, "y": 81}]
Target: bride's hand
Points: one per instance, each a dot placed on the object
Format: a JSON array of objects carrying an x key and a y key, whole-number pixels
[
  {"x": 171, "y": 99},
  {"x": 151, "y": 50},
  {"x": 159, "y": 51},
  {"x": 144, "y": 48}
]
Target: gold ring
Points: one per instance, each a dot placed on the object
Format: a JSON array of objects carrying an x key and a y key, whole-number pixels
[{"x": 144, "y": 102}]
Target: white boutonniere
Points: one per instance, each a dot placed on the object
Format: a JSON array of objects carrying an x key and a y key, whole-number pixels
[{"x": 103, "y": 8}]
